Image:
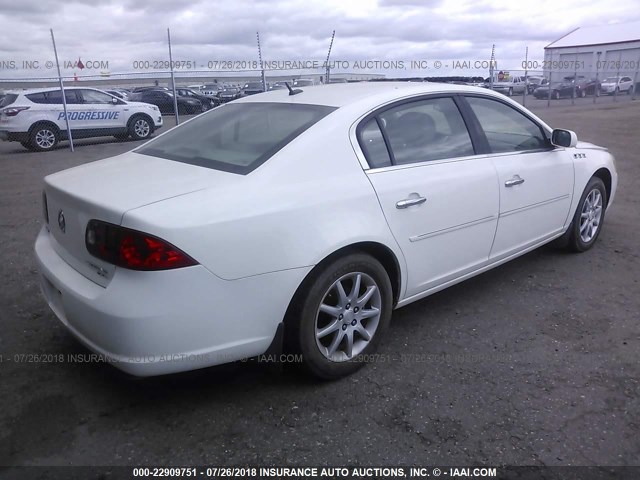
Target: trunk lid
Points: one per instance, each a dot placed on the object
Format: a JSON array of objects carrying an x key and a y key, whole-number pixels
[{"x": 106, "y": 190}]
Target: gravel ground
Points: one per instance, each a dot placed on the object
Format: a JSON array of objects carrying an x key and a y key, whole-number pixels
[{"x": 533, "y": 363}]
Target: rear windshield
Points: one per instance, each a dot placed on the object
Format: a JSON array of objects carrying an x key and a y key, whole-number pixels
[
  {"x": 8, "y": 99},
  {"x": 236, "y": 138}
]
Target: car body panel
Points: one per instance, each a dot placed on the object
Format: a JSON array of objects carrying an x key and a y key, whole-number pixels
[{"x": 256, "y": 237}]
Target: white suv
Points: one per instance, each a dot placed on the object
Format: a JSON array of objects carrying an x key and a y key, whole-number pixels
[
  {"x": 36, "y": 119},
  {"x": 613, "y": 85}
]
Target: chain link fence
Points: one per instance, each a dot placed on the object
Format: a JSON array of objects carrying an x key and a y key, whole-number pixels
[{"x": 108, "y": 98}]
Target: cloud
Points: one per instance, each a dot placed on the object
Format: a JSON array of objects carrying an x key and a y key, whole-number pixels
[{"x": 124, "y": 31}]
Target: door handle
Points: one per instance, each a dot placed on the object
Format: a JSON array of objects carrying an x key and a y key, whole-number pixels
[
  {"x": 408, "y": 202},
  {"x": 516, "y": 180}
]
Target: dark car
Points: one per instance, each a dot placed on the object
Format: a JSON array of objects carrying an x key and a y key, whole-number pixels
[
  {"x": 229, "y": 93},
  {"x": 164, "y": 101},
  {"x": 571, "y": 86},
  {"x": 251, "y": 88},
  {"x": 152, "y": 87},
  {"x": 207, "y": 102}
]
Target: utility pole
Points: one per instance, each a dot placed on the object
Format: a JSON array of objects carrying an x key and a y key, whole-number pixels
[{"x": 326, "y": 80}]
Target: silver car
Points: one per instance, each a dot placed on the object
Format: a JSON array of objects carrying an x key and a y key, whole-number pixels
[{"x": 510, "y": 86}]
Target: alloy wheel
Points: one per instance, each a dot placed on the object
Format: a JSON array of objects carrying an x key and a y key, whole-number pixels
[
  {"x": 591, "y": 215},
  {"x": 348, "y": 316}
]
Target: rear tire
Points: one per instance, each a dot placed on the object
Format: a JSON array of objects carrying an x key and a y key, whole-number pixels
[
  {"x": 588, "y": 218},
  {"x": 336, "y": 321},
  {"x": 43, "y": 137}
]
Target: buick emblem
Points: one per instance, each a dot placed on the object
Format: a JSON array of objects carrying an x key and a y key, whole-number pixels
[{"x": 61, "y": 221}]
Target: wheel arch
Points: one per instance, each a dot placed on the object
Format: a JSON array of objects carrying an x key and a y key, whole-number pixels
[
  {"x": 44, "y": 122},
  {"x": 605, "y": 175},
  {"x": 141, "y": 114},
  {"x": 377, "y": 250}
]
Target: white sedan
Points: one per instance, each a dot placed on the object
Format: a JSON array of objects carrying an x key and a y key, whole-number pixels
[{"x": 299, "y": 219}]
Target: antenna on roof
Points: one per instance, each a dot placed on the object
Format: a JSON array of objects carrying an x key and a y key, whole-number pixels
[{"x": 292, "y": 91}]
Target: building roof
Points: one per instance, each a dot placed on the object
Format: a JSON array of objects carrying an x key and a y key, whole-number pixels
[{"x": 599, "y": 35}]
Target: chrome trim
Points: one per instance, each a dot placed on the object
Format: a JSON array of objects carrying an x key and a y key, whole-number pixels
[
  {"x": 534, "y": 205},
  {"x": 417, "y": 238}
]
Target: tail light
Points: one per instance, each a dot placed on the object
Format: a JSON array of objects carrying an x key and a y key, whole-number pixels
[
  {"x": 13, "y": 111},
  {"x": 132, "y": 249}
]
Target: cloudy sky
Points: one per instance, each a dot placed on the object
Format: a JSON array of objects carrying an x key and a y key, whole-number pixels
[{"x": 122, "y": 32}]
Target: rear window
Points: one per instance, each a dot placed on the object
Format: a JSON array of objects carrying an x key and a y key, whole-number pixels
[
  {"x": 236, "y": 138},
  {"x": 8, "y": 99}
]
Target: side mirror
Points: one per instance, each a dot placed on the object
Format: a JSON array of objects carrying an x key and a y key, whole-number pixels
[{"x": 564, "y": 138}]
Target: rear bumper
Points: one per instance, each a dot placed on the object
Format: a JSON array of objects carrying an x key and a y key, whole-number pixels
[
  {"x": 14, "y": 136},
  {"x": 154, "y": 323}
]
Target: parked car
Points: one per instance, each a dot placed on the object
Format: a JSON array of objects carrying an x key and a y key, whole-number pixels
[
  {"x": 513, "y": 85},
  {"x": 364, "y": 198},
  {"x": 571, "y": 86},
  {"x": 150, "y": 87},
  {"x": 207, "y": 102},
  {"x": 613, "y": 85},
  {"x": 228, "y": 94},
  {"x": 36, "y": 117},
  {"x": 211, "y": 90},
  {"x": 251, "y": 88},
  {"x": 122, "y": 94},
  {"x": 534, "y": 82},
  {"x": 163, "y": 99},
  {"x": 303, "y": 82},
  {"x": 277, "y": 87}
]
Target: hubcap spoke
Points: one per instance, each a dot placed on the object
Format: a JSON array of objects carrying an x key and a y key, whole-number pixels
[
  {"x": 356, "y": 287},
  {"x": 367, "y": 295},
  {"x": 372, "y": 312},
  {"x": 363, "y": 332},
  {"x": 332, "y": 327},
  {"x": 334, "y": 344},
  {"x": 329, "y": 310}
]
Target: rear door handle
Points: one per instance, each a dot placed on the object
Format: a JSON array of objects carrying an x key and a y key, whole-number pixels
[
  {"x": 408, "y": 202},
  {"x": 516, "y": 180}
]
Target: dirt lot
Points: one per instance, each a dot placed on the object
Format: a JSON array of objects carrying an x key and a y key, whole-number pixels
[{"x": 533, "y": 363}]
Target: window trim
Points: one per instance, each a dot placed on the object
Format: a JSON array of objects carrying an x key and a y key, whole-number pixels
[{"x": 375, "y": 114}]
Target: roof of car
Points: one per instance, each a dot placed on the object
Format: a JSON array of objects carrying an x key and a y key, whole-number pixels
[
  {"x": 341, "y": 94},
  {"x": 28, "y": 91}
]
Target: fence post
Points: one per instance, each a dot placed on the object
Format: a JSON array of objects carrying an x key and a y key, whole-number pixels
[
  {"x": 263, "y": 78},
  {"x": 615, "y": 92},
  {"x": 575, "y": 79},
  {"x": 597, "y": 89},
  {"x": 526, "y": 77},
  {"x": 64, "y": 97},
  {"x": 635, "y": 80},
  {"x": 493, "y": 56},
  {"x": 328, "y": 71},
  {"x": 173, "y": 80}
]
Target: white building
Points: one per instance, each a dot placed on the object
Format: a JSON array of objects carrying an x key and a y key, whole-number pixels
[{"x": 605, "y": 50}]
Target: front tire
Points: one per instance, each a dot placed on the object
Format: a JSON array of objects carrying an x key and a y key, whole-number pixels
[
  {"x": 140, "y": 127},
  {"x": 589, "y": 217},
  {"x": 339, "y": 315}
]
